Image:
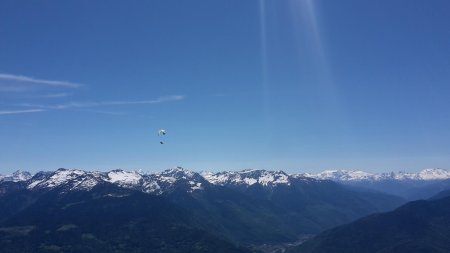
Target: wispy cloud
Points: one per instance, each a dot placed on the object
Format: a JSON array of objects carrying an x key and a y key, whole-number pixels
[
  {"x": 43, "y": 88},
  {"x": 105, "y": 103},
  {"x": 21, "y": 111},
  {"x": 32, "y": 80}
]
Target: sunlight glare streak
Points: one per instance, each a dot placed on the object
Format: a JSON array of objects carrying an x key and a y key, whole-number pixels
[
  {"x": 264, "y": 61},
  {"x": 306, "y": 24}
]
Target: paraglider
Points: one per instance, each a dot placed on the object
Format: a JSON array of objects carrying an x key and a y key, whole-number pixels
[{"x": 161, "y": 132}]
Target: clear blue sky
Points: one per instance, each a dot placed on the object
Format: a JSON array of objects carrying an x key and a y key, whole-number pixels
[{"x": 294, "y": 85}]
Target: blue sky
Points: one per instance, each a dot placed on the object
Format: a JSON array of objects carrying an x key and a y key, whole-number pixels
[{"x": 293, "y": 85}]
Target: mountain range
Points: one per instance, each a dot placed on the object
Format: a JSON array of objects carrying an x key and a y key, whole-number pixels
[
  {"x": 430, "y": 174},
  {"x": 410, "y": 186},
  {"x": 71, "y": 210}
]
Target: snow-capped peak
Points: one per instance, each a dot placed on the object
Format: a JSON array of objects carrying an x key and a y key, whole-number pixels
[
  {"x": 434, "y": 174},
  {"x": 342, "y": 175},
  {"x": 17, "y": 176},
  {"x": 247, "y": 177},
  {"x": 171, "y": 175},
  {"x": 172, "y": 178},
  {"x": 124, "y": 178}
]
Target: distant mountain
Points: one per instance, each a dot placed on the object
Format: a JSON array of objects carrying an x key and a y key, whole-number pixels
[
  {"x": 358, "y": 175},
  {"x": 441, "y": 195},
  {"x": 16, "y": 176},
  {"x": 419, "y": 226},
  {"x": 245, "y": 208},
  {"x": 411, "y": 186}
]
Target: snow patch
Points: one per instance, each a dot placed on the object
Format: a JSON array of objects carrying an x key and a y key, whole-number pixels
[{"x": 124, "y": 178}]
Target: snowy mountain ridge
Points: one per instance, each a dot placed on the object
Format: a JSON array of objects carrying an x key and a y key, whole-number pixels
[
  {"x": 248, "y": 177},
  {"x": 172, "y": 179},
  {"x": 73, "y": 179},
  {"x": 358, "y": 175},
  {"x": 156, "y": 183}
]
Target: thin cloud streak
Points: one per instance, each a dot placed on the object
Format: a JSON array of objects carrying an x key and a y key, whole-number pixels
[
  {"x": 21, "y": 111},
  {"x": 106, "y": 103},
  {"x": 26, "y": 79}
]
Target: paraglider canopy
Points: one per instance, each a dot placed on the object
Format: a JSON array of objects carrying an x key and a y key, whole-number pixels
[{"x": 161, "y": 132}]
